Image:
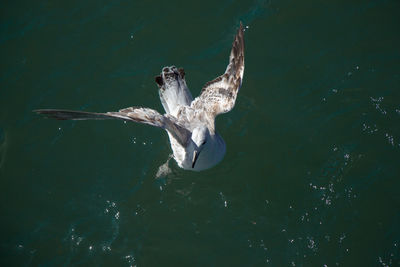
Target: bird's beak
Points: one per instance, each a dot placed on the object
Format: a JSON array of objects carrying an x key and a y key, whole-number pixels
[{"x": 195, "y": 157}]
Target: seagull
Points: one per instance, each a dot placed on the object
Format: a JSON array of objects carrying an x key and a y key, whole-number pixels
[{"x": 189, "y": 123}]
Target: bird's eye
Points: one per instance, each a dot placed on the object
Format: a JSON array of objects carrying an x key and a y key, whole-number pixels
[{"x": 205, "y": 141}]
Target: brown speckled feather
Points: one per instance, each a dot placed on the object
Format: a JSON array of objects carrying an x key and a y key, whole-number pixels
[{"x": 219, "y": 95}]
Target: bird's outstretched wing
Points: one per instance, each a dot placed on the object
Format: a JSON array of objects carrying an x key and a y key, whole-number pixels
[
  {"x": 219, "y": 95},
  {"x": 136, "y": 114}
]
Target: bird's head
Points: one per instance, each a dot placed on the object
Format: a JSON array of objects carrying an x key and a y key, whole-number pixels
[{"x": 200, "y": 136}]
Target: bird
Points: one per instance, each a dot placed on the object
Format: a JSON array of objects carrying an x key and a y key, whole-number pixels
[{"x": 189, "y": 123}]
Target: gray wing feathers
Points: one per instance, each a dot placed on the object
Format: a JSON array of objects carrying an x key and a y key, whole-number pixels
[
  {"x": 60, "y": 114},
  {"x": 142, "y": 115},
  {"x": 152, "y": 117},
  {"x": 136, "y": 114},
  {"x": 219, "y": 95}
]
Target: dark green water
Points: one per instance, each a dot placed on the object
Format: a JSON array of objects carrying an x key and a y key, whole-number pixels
[{"x": 311, "y": 174}]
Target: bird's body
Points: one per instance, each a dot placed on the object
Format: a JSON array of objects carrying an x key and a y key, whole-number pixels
[
  {"x": 212, "y": 153},
  {"x": 190, "y": 123}
]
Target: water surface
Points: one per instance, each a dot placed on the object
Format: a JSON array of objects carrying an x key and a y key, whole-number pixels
[{"x": 311, "y": 173}]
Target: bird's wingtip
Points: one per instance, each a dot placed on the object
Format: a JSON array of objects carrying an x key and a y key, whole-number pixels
[{"x": 241, "y": 28}]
